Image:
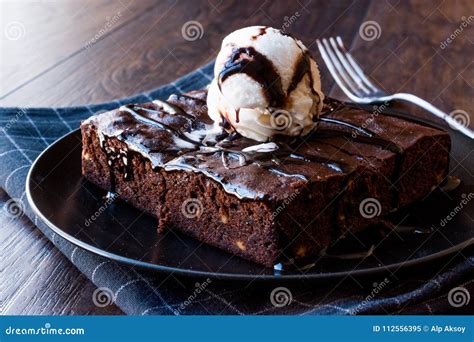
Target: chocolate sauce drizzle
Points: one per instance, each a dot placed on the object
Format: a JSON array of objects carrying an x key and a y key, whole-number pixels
[
  {"x": 141, "y": 115},
  {"x": 261, "y": 32},
  {"x": 303, "y": 67},
  {"x": 189, "y": 150},
  {"x": 248, "y": 61}
]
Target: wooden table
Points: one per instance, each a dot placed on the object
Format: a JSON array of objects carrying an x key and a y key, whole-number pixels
[{"x": 75, "y": 52}]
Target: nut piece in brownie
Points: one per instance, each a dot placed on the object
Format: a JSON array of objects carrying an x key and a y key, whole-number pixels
[{"x": 262, "y": 201}]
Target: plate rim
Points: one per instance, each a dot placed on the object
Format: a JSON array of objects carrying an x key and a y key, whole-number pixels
[{"x": 218, "y": 275}]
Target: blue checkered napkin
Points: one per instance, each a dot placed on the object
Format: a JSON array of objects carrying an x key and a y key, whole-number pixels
[{"x": 26, "y": 132}]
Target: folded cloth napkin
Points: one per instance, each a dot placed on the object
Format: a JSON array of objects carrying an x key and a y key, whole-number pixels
[{"x": 25, "y": 132}]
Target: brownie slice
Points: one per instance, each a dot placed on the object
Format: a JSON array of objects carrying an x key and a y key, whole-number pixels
[{"x": 261, "y": 204}]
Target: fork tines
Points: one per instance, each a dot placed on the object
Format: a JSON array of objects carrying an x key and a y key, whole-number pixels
[{"x": 345, "y": 70}]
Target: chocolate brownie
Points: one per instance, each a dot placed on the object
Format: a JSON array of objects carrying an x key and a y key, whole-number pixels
[{"x": 263, "y": 202}]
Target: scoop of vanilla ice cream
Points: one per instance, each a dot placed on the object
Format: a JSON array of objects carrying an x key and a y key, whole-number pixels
[{"x": 265, "y": 84}]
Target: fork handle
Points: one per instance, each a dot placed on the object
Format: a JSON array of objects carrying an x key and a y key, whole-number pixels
[{"x": 453, "y": 123}]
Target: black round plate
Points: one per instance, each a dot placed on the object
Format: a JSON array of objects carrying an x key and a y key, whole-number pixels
[{"x": 79, "y": 212}]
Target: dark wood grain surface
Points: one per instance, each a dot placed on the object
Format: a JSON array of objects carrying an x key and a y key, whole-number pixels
[{"x": 61, "y": 53}]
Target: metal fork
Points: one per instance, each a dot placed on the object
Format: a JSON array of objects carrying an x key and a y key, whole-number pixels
[{"x": 354, "y": 83}]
